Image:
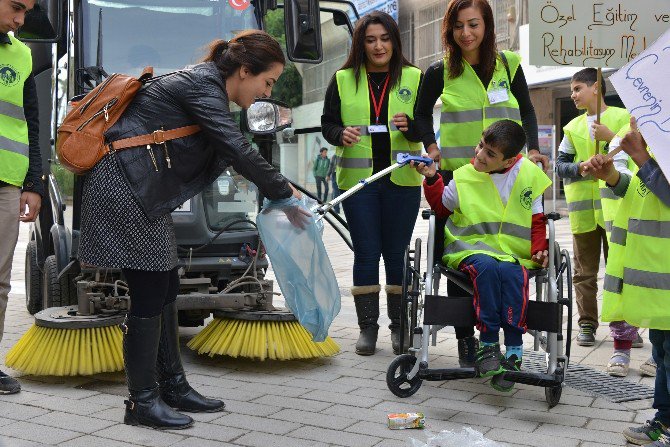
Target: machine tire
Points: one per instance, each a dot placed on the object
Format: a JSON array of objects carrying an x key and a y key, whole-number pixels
[
  {"x": 53, "y": 295},
  {"x": 396, "y": 376},
  {"x": 33, "y": 280},
  {"x": 553, "y": 395}
]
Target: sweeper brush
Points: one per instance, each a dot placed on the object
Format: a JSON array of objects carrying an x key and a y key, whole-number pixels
[
  {"x": 63, "y": 343},
  {"x": 260, "y": 335}
]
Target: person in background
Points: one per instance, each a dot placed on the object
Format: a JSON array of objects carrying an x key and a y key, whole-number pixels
[
  {"x": 332, "y": 178},
  {"x": 477, "y": 86},
  {"x": 587, "y": 209},
  {"x": 21, "y": 188},
  {"x": 320, "y": 172},
  {"x": 367, "y": 114}
]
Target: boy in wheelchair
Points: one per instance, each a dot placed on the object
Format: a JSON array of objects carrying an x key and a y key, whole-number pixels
[{"x": 494, "y": 233}]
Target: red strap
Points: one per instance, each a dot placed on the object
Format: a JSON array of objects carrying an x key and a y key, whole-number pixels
[{"x": 378, "y": 107}]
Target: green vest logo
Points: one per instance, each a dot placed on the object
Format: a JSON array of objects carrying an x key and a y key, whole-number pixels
[
  {"x": 404, "y": 95},
  {"x": 642, "y": 189},
  {"x": 8, "y": 76},
  {"x": 526, "y": 198}
]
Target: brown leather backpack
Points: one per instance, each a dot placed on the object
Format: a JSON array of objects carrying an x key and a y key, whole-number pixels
[{"x": 80, "y": 141}]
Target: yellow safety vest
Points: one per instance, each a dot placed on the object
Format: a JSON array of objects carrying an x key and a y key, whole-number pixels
[
  {"x": 482, "y": 224},
  {"x": 637, "y": 279},
  {"x": 16, "y": 64},
  {"x": 355, "y": 162},
  {"x": 583, "y": 194},
  {"x": 609, "y": 201},
  {"x": 467, "y": 111}
]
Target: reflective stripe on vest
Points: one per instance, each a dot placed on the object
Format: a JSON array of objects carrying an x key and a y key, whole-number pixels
[
  {"x": 500, "y": 231},
  {"x": 610, "y": 201},
  {"x": 355, "y": 162},
  {"x": 637, "y": 279},
  {"x": 15, "y": 68},
  {"x": 466, "y": 110},
  {"x": 585, "y": 217}
]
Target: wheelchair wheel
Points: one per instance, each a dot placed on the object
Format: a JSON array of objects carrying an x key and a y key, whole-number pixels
[
  {"x": 396, "y": 376},
  {"x": 411, "y": 291},
  {"x": 553, "y": 395}
]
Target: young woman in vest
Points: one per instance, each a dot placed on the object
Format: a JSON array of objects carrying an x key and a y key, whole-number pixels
[
  {"x": 129, "y": 194},
  {"x": 367, "y": 114},
  {"x": 477, "y": 86}
]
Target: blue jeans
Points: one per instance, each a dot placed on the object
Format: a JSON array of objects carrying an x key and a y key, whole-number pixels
[
  {"x": 381, "y": 218},
  {"x": 660, "y": 349},
  {"x": 336, "y": 191},
  {"x": 500, "y": 298}
]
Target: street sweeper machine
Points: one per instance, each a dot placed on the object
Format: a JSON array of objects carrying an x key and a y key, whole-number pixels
[{"x": 76, "y": 44}]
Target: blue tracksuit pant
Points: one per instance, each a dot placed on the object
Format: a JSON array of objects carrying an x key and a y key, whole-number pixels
[{"x": 500, "y": 297}]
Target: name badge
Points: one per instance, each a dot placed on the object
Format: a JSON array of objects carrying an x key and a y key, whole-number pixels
[
  {"x": 498, "y": 95},
  {"x": 377, "y": 128}
]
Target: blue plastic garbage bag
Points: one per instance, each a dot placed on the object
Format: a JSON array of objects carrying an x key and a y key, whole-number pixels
[{"x": 301, "y": 264}]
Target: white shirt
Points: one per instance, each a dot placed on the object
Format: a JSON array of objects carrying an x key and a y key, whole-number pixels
[{"x": 504, "y": 183}]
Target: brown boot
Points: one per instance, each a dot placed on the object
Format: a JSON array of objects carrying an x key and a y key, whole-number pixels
[{"x": 366, "y": 299}]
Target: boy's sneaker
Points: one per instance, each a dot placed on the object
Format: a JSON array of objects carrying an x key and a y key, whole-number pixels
[
  {"x": 638, "y": 342},
  {"x": 662, "y": 441},
  {"x": 648, "y": 368},
  {"x": 8, "y": 384},
  {"x": 499, "y": 382},
  {"x": 587, "y": 335},
  {"x": 467, "y": 351},
  {"x": 649, "y": 432},
  {"x": 488, "y": 361}
]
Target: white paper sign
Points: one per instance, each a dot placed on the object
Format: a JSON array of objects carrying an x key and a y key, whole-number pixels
[
  {"x": 642, "y": 85},
  {"x": 594, "y": 33}
]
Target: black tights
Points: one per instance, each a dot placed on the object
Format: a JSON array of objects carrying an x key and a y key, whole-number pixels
[
  {"x": 452, "y": 288},
  {"x": 151, "y": 291}
]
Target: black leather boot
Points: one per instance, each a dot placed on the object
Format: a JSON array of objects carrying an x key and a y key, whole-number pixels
[
  {"x": 366, "y": 299},
  {"x": 174, "y": 388},
  {"x": 140, "y": 350},
  {"x": 393, "y": 298}
]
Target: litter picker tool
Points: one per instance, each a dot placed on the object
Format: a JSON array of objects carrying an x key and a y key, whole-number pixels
[{"x": 401, "y": 160}]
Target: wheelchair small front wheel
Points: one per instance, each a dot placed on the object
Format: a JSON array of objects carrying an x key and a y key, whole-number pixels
[
  {"x": 553, "y": 395},
  {"x": 396, "y": 376}
]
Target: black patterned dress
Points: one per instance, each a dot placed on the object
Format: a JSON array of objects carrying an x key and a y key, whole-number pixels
[{"x": 115, "y": 232}]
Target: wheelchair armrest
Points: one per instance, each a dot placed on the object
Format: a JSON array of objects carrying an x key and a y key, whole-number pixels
[{"x": 552, "y": 216}]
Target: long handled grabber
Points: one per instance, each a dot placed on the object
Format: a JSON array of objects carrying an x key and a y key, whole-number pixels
[{"x": 401, "y": 160}]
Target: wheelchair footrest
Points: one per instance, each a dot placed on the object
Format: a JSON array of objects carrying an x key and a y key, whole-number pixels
[
  {"x": 534, "y": 379},
  {"x": 447, "y": 374},
  {"x": 459, "y": 311}
]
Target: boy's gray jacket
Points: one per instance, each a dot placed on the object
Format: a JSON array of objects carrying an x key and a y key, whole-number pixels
[{"x": 192, "y": 96}]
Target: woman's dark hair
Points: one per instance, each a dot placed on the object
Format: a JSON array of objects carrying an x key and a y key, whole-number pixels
[
  {"x": 254, "y": 49},
  {"x": 487, "y": 50},
  {"x": 357, "y": 55}
]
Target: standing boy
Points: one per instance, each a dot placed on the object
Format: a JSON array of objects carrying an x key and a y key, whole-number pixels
[
  {"x": 637, "y": 276},
  {"x": 495, "y": 231},
  {"x": 582, "y": 192}
]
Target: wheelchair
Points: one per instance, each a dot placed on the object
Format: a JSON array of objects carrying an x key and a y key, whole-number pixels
[{"x": 420, "y": 300}]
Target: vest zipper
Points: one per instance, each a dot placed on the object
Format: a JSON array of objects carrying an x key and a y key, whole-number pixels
[
  {"x": 104, "y": 110},
  {"x": 90, "y": 101},
  {"x": 167, "y": 156}
]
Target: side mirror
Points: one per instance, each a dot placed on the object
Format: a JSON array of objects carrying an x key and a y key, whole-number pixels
[
  {"x": 303, "y": 31},
  {"x": 39, "y": 23},
  {"x": 267, "y": 116}
]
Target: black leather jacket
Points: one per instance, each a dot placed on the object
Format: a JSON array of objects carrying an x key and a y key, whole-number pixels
[{"x": 195, "y": 95}]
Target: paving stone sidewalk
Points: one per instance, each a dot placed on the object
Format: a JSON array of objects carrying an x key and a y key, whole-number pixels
[{"x": 338, "y": 401}]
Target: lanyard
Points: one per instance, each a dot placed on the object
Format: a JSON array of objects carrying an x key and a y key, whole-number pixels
[{"x": 378, "y": 106}]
